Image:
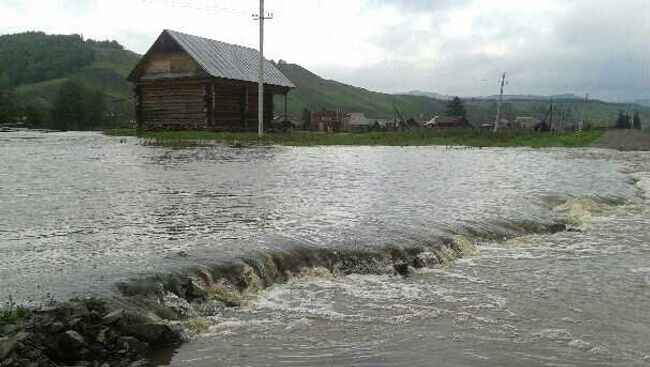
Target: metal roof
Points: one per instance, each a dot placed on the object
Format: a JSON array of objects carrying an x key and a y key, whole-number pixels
[{"x": 225, "y": 60}]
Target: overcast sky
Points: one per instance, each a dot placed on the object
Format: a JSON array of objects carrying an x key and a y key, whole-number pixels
[{"x": 456, "y": 47}]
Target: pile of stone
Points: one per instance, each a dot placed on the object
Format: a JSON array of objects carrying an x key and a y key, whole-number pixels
[{"x": 82, "y": 333}]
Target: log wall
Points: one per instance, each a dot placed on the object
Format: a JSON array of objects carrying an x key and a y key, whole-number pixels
[
  {"x": 211, "y": 104},
  {"x": 234, "y": 107},
  {"x": 171, "y": 106}
]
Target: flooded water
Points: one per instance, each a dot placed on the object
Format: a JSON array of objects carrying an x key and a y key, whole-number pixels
[{"x": 80, "y": 212}]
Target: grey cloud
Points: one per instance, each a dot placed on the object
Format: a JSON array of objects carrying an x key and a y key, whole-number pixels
[
  {"x": 419, "y": 5},
  {"x": 596, "y": 47}
]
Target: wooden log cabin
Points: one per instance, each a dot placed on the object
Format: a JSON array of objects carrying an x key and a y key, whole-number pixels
[{"x": 186, "y": 82}]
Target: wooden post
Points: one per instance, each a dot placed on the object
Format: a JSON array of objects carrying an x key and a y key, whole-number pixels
[
  {"x": 138, "y": 106},
  {"x": 243, "y": 110},
  {"x": 207, "y": 105},
  {"x": 214, "y": 105},
  {"x": 285, "y": 106}
]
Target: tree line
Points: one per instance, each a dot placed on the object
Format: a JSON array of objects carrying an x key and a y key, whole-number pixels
[
  {"x": 76, "y": 107},
  {"x": 626, "y": 121},
  {"x": 33, "y": 57}
]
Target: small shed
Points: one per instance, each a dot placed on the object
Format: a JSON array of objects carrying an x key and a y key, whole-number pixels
[
  {"x": 189, "y": 82},
  {"x": 448, "y": 122},
  {"x": 327, "y": 121}
]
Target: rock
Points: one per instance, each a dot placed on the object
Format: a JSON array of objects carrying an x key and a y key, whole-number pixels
[
  {"x": 79, "y": 309},
  {"x": 152, "y": 332},
  {"x": 102, "y": 336},
  {"x": 401, "y": 269},
  {"x": 73, "y": 322},
  {"x": 141, "y": 363},
  {"x": 133, "y": 345},
  {"x": 8, "y": 329},
  {"x": 73, "y": 339},
  {"x": 113, "y": 317},
  {"x": 6, "y": 347},
  {"x": 57, "y": 327},
  {"x": 9, "y": 344}
]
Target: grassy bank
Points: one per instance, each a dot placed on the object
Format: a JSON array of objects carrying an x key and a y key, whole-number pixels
[{"x": 473, "y": 139}]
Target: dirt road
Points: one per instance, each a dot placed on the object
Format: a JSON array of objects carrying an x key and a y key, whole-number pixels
[{"x": 624, "y": 140}]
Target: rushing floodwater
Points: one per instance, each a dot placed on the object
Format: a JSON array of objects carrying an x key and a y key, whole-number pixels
[{"x": 80, "y": 212}]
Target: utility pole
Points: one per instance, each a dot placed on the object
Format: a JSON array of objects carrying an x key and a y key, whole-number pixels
[
  {"x": 630, "y": 119},
  {"x": 498, "y": 117},
  {"x": 581, "y": 125},
  {"x": 551, "y": 123},
  {"x": 260, "y": 115}
]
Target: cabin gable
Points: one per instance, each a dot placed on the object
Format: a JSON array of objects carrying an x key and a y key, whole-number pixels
[
  {"x": 166, "y": 59},
  {"x": 170, "y": 66}
]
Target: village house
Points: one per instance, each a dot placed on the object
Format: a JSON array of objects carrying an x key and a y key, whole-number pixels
[
  {"x": 357, "y": 122},
  {"x": 327, "y": 121},
  {"x": 189, "y": 82},
  {"x": 525, "y": 124}
]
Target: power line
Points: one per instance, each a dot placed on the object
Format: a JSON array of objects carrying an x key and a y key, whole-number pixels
[{"x": 192, "y": 4}]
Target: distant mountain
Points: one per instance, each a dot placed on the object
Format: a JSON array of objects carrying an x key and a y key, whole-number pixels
[
  {"x": 522, "y": 97},
  {"x": 433, "y": 95},
  {"x": 642, "y": 102},
  {"x": 513, "y": 97}
]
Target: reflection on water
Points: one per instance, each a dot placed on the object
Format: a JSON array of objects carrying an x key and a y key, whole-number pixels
[{"x": 81, "y": 211}]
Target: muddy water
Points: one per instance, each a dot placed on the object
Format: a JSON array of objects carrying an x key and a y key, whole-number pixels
[
  {"x": 80, "y": 212},
  {"x": 576, "y": 298}
]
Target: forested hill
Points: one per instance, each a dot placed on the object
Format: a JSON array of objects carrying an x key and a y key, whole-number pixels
[{"x": 34, "y": 67}]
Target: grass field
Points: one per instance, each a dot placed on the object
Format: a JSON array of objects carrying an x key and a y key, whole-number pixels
[{"x": 473, "y": 139}]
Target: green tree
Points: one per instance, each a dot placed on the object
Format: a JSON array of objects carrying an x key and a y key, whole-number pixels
[
  {"x": 456, "y": 108},
  {"x": 623, "y": 121},
  {"x": 34, "y": 56},
  {"x": 78, "y": 108},
  {"x": 95, "y": 110},
  {"x": 636, "y": 121},
  {"x": 306, "y": 119},
  {"x": 69, "y": 112},
  {"x": 4, "y": 81},
  {"x": 9, "y": 108},
  {"x": 35, "y": 113}
]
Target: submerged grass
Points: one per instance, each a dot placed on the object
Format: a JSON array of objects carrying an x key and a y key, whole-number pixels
[
  {"x": 425, "y": 138},
  {"x": 12, "y": 313}
]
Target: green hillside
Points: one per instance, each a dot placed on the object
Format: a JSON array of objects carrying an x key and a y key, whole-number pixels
[
  {"x": 314, "y": 93},
  {"x": 34, "y": 66}
]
